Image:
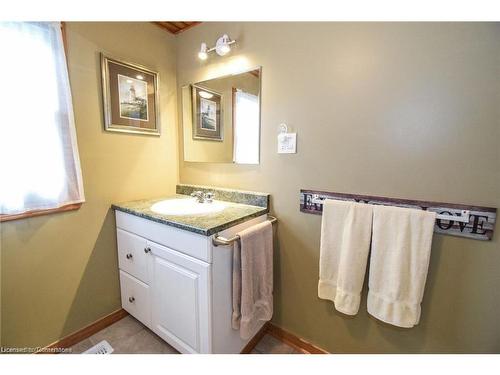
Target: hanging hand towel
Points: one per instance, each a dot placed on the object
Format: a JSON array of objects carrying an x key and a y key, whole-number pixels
[
  {"x": 401, "y": 248},
  {"x": 345, "y": 243},
  {"x": 253, "y": 279}
]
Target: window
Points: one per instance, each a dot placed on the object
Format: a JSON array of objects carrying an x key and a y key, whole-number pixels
[
  {"x": 39, "y": 163},
  {"x": 246, "y": 127}
]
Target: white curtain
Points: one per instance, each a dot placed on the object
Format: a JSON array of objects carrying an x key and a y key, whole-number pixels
[
  {"x": 39, "y": 163},
  {"x": 246, "y": 128}
]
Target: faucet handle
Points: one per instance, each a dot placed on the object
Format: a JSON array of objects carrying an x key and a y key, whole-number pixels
[
  {"x": 209, "y": 196},
  {"x": 198, "y": 195}
]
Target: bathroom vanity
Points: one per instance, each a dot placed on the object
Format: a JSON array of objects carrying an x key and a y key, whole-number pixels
[{"x": 172, "y": 277}]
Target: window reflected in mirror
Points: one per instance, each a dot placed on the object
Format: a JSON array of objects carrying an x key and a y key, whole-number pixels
[{"x": 246, "y": 127}]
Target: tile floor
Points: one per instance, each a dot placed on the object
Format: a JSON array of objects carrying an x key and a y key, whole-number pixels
[{"x": 129, "y": 336}]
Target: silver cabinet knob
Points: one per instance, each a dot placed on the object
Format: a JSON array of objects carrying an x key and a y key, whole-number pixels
[
  {"x": 147, "y": 250},
  {"x": 129, "y": 256},
  {"x": 131, "y": 299}
]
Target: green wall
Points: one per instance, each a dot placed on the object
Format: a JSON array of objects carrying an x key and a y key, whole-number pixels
[
  {"x": 407, "y": 110},
  {"x": 60, "y": 271}
]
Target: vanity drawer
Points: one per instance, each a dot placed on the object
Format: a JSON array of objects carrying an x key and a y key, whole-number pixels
[
  {"x": 195, "y": 245},
  {"x": 136, "y": 298},
  {"x": 133, "y": 256}
]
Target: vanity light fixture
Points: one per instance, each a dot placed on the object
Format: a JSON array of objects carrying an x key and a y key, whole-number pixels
[{"x": 222, "y": 47}]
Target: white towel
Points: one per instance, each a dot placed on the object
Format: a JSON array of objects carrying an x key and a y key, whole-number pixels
[
  {"x": 345, "y": 243},
  {"x": 401, "y": 248},
  {"x": 253, "y": 278}
]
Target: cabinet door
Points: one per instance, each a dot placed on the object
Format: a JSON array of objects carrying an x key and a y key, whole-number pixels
[{"x": 180, "y": 300}]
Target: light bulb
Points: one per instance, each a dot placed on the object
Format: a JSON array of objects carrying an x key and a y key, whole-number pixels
[
  {"x": 222, "y": 46},
  {"x": 202, "y": 55},
  {"x": 224, "y": 49}
]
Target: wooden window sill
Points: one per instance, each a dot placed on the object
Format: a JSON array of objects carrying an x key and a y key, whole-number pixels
[{"x": 24, "y": 215}]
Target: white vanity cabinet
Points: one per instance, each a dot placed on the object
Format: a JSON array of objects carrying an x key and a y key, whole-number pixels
[{"x": 167, "y": 282}]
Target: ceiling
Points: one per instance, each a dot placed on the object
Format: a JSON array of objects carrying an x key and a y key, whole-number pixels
[{"x": 175, "y": 27}]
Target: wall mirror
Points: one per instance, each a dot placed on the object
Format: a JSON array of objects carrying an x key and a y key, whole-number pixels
[{"x": 221, "y": 119}]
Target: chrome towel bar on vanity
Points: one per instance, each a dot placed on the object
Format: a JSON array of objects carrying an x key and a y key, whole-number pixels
[{"x": 222, "y": 241}]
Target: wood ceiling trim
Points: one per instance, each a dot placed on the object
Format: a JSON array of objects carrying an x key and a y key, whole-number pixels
[{"x": 176, "y": 27}]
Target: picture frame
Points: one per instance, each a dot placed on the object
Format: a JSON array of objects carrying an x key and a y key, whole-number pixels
[
  {"x": 207, "y": 114},
  {"x": 130, "y": 95}
]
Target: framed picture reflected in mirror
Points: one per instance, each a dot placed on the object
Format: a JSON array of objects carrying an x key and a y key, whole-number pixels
[{"x": 207, "y": 119}]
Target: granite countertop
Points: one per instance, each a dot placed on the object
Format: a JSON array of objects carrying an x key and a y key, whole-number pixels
[{"x": 204, "y": 224}]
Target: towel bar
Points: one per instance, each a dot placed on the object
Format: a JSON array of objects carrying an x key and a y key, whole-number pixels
[
  {"x": 222, "y": 241},
  {"x": 476, "y": 222}
]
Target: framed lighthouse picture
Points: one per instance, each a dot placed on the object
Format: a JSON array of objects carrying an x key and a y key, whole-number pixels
[{"x": 130, "y": 97}]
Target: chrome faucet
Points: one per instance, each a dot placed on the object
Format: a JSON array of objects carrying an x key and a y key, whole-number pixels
[{"x": 203, "y": 197}]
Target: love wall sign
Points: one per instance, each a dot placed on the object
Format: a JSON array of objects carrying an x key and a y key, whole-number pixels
[{"x": 479, "y": 227}]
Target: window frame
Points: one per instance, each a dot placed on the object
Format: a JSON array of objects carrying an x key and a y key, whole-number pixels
[{"x": 40, "y": 212}]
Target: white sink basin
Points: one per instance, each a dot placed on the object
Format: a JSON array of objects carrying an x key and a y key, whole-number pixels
[{"x": 183, "y": 207}]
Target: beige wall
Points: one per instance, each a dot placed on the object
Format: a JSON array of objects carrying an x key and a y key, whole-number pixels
[
  {"x": 60, "y": 272},
  {"x": 398, "y": 110}
]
